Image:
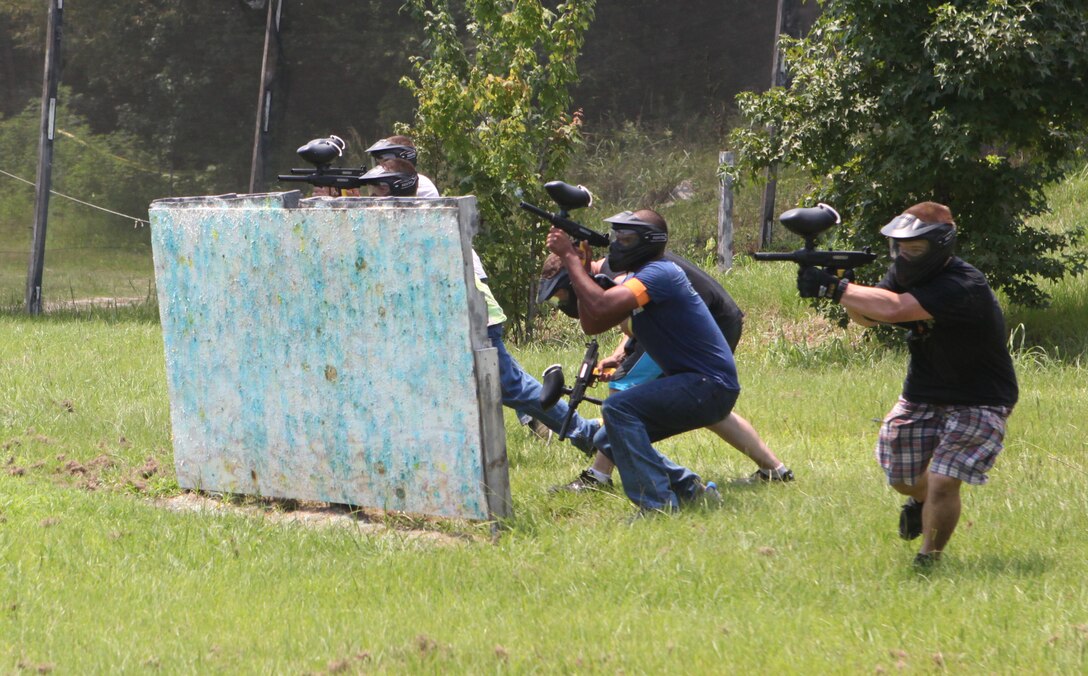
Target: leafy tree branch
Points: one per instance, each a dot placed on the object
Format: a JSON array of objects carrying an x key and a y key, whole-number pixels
[{"x": 979, "y": 104}]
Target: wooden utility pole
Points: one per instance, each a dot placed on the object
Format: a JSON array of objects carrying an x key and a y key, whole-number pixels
[
  {"x": 725, "y": 214},
  {"x": 45, "y": 157},
  {"x": 785, "y": 23},
  {"x": 269, "y": 72}
]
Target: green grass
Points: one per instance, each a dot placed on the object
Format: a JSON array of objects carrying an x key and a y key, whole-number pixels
[
  {"x": 1062, "y": 326},
  {"x": 96, "y": 576},
  {"x": 73, "y": 275}
]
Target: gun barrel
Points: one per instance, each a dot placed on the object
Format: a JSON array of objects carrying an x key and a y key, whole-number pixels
[
  {"x": 323, "y": 180},
  {"x": 535, "y": 210},
  {"x": 826, "y": 259},
  {"x": 770, "y": 256},
  {"x": 576, "y": 230}
]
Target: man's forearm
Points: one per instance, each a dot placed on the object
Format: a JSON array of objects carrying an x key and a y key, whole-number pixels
[{"x": 880, "y": 305}]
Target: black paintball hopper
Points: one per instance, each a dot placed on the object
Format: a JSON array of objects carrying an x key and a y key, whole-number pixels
[
  {"x": 321, "y": 152},
  {"x": 568, "y": 197},
  {"x": 808, "y": 222},
  {"x": 554, "y": 387}
]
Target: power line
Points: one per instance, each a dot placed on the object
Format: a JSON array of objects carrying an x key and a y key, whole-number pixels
[{"x": 136, "y": 220}]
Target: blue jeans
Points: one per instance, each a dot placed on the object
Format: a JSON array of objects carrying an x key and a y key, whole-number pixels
[
  {"x": 521, "y": 392},
  {"x": 653, "y": 411}
]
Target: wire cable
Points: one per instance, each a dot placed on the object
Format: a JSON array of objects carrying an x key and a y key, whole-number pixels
[{"x": 136, "y": 221}]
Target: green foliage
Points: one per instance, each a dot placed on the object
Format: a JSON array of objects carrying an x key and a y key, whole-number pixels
[
  {"x": 89, "y": 252},
  {"x": 493, "y": 119},
  {"x": 631, "y": 165},
  {"x": 22, "y": 37},
  {"x": 112, "y": 170},
  {"x": 978, "y": 104}
]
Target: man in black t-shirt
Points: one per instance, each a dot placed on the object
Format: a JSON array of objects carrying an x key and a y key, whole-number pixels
[{"x": 949, "y": 424}]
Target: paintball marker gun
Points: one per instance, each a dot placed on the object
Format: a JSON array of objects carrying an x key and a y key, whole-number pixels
[
  {"x": 554, "y": 386},
  {"x": 568, "y": 197},
  {"x": 321, "y": 152},
  {"x": 809, "y": 222}
]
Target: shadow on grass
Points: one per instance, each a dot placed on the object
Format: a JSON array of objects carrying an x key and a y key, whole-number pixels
[{"x": 1015, "y": 564}]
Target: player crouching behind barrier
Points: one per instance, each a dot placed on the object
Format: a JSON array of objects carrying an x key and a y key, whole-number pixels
[
  {"x": 633, "y": 366},
  {"x": 699, "y": 385},
  {"x": 395, "y": 175}
]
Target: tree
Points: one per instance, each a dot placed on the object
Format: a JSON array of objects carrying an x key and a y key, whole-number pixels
[
  {"x": 22, "y": 41},
  {"x": 978, "y": 104},
  {"x": 493, "y": 119}
]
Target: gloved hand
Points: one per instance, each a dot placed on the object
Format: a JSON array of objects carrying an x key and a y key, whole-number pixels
[{"x": 813, "y": 282}]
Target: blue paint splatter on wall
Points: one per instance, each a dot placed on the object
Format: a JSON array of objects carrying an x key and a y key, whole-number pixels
[{"x": 307, "y": 348}]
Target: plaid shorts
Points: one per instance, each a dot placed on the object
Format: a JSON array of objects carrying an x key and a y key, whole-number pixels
[{"x": 961, "y": 442}]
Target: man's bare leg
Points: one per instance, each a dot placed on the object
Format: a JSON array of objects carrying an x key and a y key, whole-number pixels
[
  {"x": 917, "y": 490},
  {"x": 735, "y": 431},
  {"x": 941, "y": 512},
  {"x": 602, "y": 464},
  {"x": 739, "y": 433}
]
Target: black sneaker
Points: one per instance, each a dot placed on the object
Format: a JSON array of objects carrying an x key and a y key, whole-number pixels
[
  {"x": 910, "y": 519},
  {"x": 926, "y": 560},
  {"x": 585, "y": 482},
  {"x": 771, "y": 475}
]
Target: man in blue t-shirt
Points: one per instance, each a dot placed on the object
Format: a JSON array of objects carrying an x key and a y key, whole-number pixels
[
  {"x": 676, "y": 329},
  {"x": 633, "y": 367}
]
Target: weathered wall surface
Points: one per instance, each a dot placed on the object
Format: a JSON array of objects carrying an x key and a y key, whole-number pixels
[{"x": 330, "y": 350}]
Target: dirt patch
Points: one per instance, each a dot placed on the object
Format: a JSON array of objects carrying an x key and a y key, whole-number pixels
[
  {"x": 107, "y": 302},
  {"x": 314, "y": 515}
]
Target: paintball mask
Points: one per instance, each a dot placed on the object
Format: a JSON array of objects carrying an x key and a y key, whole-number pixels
[
  {"x": 561, "y": 282},
  {"x": 550, "y": 288},
  {"x": 634, "y": 241},
  {"x": 401, "y": 183},
  {"x": 919, "y": 250},
  {"x": 384, "y": 149}
]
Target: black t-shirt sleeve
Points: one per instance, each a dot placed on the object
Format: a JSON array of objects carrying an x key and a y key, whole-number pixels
[{"x": 952, "y": 300}]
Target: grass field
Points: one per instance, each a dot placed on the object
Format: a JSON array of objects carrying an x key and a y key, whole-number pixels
[
  {"x": 97, "y": 574},
  {"x": 105, "y": 566}
]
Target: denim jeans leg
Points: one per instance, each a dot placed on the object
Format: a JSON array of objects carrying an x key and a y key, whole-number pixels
[
  {"x": 656, "y": 410},
  {"x": 521, "y": 392}
]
